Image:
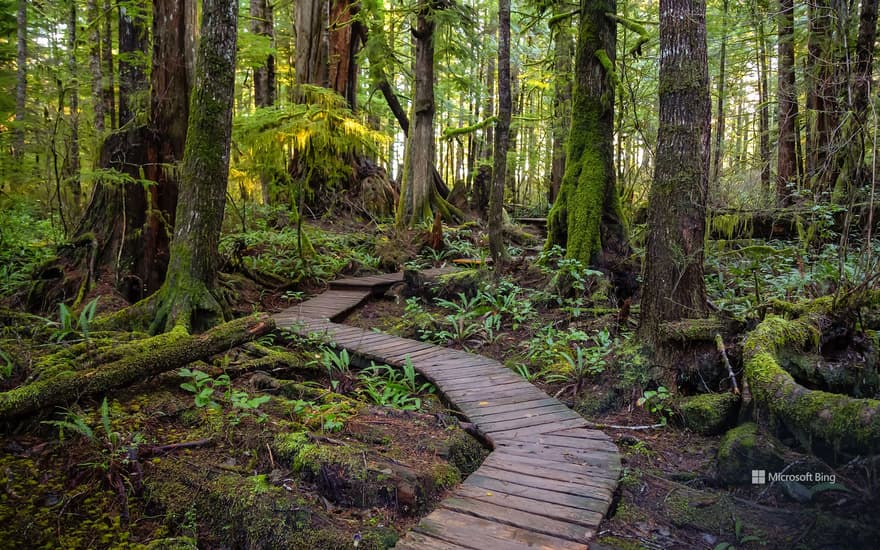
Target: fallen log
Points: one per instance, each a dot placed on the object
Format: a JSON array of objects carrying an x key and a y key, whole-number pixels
[{"x": 137, "y": 361}]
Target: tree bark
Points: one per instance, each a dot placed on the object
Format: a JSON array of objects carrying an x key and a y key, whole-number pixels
[
  {"x": 499, "y": 172},
  {"x": 764, "y": 108},
  {"x": 138, "y": 361},
  {"x": 415, "y": 197},
  {"x": 562, "y": 68},
  {"x": 311, "y": 49},
  {"x": 262, "y": 18},
  {"x": 72, "y": 172},
  {"x": 586, "y": 217},
  {"x": 722, "y": 98},
  {"x": 821, "y": 96},
  {"x": 133, "y": 39},
  {"x": 674, "y": 287},
  {"x": 20, "y": 79},
  {"x": 786, "y": 160},
  {"x": 107, "y": 57},
  {"x": 344, "y": 45},
  {"x": 95, "y": 65},
  {"x": 186, "y": 299}
]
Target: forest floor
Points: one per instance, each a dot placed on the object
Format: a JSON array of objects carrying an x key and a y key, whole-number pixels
[{"x": 313, "y": 453}]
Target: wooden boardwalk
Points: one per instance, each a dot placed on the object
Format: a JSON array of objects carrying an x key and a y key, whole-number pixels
[{"x": 549, "y": 480}]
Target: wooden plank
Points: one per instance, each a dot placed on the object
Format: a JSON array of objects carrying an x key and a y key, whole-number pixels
[
  {"x": 522, "y": 412},
  {"x": 487, "y": 410},
  {"x": 501, "y": 462},
  {"x": 464, "y": 397},
  {"x": 608, "y": 461},
  {"x": 587, "y": 518},
  {"x": 571, "y": 442},
  {"x": 418, "y": 541},
  {"x": 583, "y": 433},
  {"x": 489, "y": 535},
  {"x": 549, "y": 464},
  {"x": 487, "y": 401},
  {"x": 590, "y": 504},
  {"x": 546, "y": 420},
  {"x": 515, "y": 432},
  {"x": 537, "y": 482},
  {"x": 517, "y": 518},
  {"x": 496, "y": 381}
]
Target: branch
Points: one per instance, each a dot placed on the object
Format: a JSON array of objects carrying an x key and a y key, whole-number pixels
[{"x": 450, "y": 133}]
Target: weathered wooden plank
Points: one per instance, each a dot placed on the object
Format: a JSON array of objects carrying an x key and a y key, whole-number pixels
[
  {"x": 516, "y": 518},
  {"x": 587, "y": 518},
  {"x": 418, "y": 541},
  {"x": 489, "y": 535},
  {"x": 492, "y": 401},
  {"x": 608, "y": 461},
  {"x": 528, "y": 430},
  {"x": 574, "y": 443},
  {"x": 488, "y": 410},
  {"x": 536, "y": 482},
  {"x": 583, "y": 433},
  {"x": 561, "y": 465},
  {"x": 521, "y": 412},
  {"x": 500, "y": 462},
  {"x": 546, "y": 420},
  {"x": 508, "y": 390},
  {"x": 591, "y": 504},
  {"x": 496, "y": 381}
]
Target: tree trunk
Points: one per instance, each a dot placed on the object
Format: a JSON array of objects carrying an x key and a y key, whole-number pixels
[
  {"x": 139, "y": 361},
  {"x": 674, "y": 287},
  {"x": 73, "y": 168},
  {"x": 562, "y": 56},
  {"x": 186, "y": 299},
  {"x": 499, "y": 172},
  {"x": 262, "y": 18},
  {"x": 722, "y": 98},
  {"x": 586, "y": 217},
  {"x": 415, "y": 197},
  {"x": 344, "y": 45},
  {"x": 133, "y": 38},
  {"x": 764, "y": 108},
  {"x": 311, "y": 51},
  {"x": 821, "y": 96},
  {"x": 95, "y": 65},
  {"x": 786, "y": 161},
  {"x": 20, "y": 79},
  {"x": 483, "y": 178},
  {"x": 107, "y": 57}
]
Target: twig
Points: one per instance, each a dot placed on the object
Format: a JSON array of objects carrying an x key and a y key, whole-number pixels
[
  {"x": 161, "y": 449},
  {"x": 616, "y": 427},
  {"x": 719, "y": 343}
]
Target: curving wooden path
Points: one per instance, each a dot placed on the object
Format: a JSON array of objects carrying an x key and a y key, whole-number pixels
[{"x": 549, "y": 479}]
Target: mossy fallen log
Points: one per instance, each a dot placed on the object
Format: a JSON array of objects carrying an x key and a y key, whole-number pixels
[
  {"x": 137, "y": 360},
  {"x": 825, "y": 423}
]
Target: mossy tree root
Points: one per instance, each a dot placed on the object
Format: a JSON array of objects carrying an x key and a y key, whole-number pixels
[
  {"x": 143, "y": 358},
  {"x": 823, "y": 422}
]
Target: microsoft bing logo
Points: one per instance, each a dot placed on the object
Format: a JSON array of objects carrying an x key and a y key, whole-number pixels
[{"x": 759, "y": 477}]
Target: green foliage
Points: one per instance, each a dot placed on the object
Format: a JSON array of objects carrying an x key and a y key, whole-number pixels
[
  {"x": 578, "y": 367},
  {"x": 70, "y": 326},
  {"x": 391, "y": 387},
  {"x": 27, "y": 237},
  {"x": 657, "y": 402},
  {"x": 207, "y": 390}
]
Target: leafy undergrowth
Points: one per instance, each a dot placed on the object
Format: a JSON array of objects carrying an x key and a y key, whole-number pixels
[{"x": 305, "y": 452}]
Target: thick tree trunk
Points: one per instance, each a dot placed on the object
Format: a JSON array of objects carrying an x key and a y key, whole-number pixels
[
  {"x": 499, "y": 171},
  {"x": 415, "y": 197},
  {"x": 821, "y": 96},
  {"x": 137, "y": 361},
  {"x": 95, "y": 65},
  {"x": 786, "y": 160},
  {"x": 133, "y": 38},
  {"x": 186, "y": 299},
  {"x": 20, "y": 79},
  {"x": 344, "y": 45},
  {"x": 311, "y": 48},
  {"x": 586, "y": 217},
  {"x": 674, "y": 287}
]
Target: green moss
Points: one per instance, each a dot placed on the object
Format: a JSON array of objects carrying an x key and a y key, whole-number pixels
[
  {"x": 446, "y": 475},
  {"x": 825, "y": 422},
  {"x": 709, "y": 413},
  {"x": 713, "y": 515},
  {"x": 465, "y": 453}
]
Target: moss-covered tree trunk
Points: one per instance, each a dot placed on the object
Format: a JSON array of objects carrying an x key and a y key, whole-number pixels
[
  {"x": 586, "y": 216},
  {"x": 674, "y": 287},
  {"x": 786, "y": 91},
  {"x": 187, "y": 298},
  {"x": 822, "y": 94},
  {"x": 563, "y": 52}
]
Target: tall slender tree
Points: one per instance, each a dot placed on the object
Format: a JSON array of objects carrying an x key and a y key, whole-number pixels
[
  {"x": 674, "y": 287},
  {"x": 21, "y": 78},
  {"x": 786, "y": 91},
  {"x": 499, "y": 171}
]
